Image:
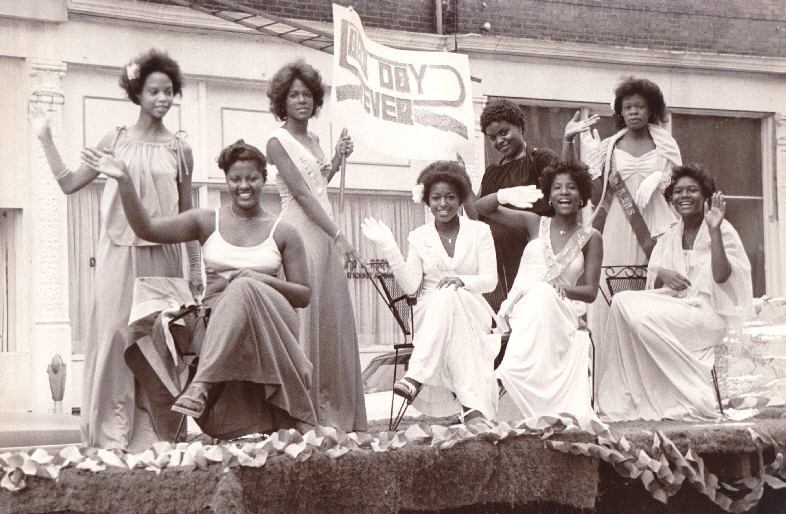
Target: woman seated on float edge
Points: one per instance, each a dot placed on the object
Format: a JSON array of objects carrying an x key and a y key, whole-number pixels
[
  {"x": 659, "y": 346},
  {"x": 452, "y": 365},
  {"x": 545, "y": 367},
  {"x": 253, "y": 375}
]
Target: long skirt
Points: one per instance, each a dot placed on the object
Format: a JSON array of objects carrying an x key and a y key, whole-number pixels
[
  {"x": 454, "y": 354},
  {"x": 112, "y": 415},
  {"x": 656, "y": 358},
  {"x": 251, "y": 354},
  {"x": 546, "y": 365},
  {"x": 327, "y": 330}
]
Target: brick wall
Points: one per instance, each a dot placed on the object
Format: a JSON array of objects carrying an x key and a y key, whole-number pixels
[{"x": 748, "y": 27}]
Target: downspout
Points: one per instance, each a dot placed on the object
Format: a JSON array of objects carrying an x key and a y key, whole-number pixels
[{"x": 438, "y": 16}]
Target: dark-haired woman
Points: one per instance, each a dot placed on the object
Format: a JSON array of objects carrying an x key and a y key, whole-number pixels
[
  {"x": 503, "y": 123},
  {"x": 452, "y": 365},
  {"x": 252, "y": 375},
  {"x": 327, "y": 330},
  {"x": 642, "y": 155},
  {"x": 160, "y": 165},
  {"x": 545, "y": 367},
  {"x": 659, "y": 345}
]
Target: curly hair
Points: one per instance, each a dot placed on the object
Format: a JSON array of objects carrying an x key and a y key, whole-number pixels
[
  {"x": 649, "y": 90},
  {"x": 502, "y": 110},
  {"x": 145, "y": 64},
  {"x": 450, "y": 172},
  {"x": 241, "y": 151},
  {"x": 695, "y": 171},
  {"x": 577, "y": 171},
  {"x": 282, "y": 81}
]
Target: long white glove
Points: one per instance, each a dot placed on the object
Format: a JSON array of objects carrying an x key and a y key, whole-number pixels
[
  {"x": 590, "y": 144},
  {"x": 522, "y": 197},
  {"x": 656, "y": 181},
  {"x": 381, "y": 234}
]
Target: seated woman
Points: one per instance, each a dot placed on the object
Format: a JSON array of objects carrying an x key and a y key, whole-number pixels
[
  {"x": 659, "y": 345},
  {"x": 252, "y": 375},
  {"x": 545, "y": 367},
  {"x": 452, "y": 364}
]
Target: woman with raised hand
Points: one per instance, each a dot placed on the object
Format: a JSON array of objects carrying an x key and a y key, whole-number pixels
[
  {"x": 327, "y": 330},
  {"x": 160, "y": 164},
  {"x": 659, "y": 346},
  {"x": 252, "y": 375},
  {"x": 635, "y": 164},
  {"x": 452, "y": 365},
  {"x": 545, "y": 367},
  {"x": 502, "y": 122}
]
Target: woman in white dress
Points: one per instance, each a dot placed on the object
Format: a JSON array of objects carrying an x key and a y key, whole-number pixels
[
  {"x": 545, "y": 370},
  {"x": 659, "y": 345},
  {"x": 637, "y": 159},
  {"x": 453, "y": 260}
]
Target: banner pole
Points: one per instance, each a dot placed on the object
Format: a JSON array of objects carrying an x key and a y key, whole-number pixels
[{"x": 343, "y": 171}]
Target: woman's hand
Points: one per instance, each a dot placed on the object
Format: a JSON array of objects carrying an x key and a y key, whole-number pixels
[
  {"x": 345, "y": 146},
  {"x": 454, "y": 282},
  {"x": 248, "y": 273},
  {"x": 715, "y": 211},
  {"x": 346, "y": 247},
  {"x": 39, "y": 122},
  {"x": 560, "y": 289},
  {"x": 523, "y": 197},
  {"x": 104, "y": 162},
  {"x": 579, "y": 126},
  {"x": 673, "y": 280},
  {"x": 377, "y": 231}
]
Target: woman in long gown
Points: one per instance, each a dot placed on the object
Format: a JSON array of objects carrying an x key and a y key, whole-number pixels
[
  {"x": 641, "y": 154},
  {"x": 659, "y": 345},
  {"x": 452, "y": 365},
  {"x": 546, "y": 363},
  {"x": 327, "y": 330},
  {"x": 502, "y": 122},
  {"x": 252, "y": 375},
  {"x": 160, "y": 164}
]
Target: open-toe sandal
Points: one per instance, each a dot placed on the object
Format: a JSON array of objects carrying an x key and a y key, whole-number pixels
[
  {"x": 407, "y": 389},
  {"x": 192, "y": 402}
]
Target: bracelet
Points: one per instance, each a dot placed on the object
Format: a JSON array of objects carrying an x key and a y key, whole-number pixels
[
  {"x": 62, "y": 173},
  {"x": 337, "y": 234},
  {"x": 567, "y": 142}
]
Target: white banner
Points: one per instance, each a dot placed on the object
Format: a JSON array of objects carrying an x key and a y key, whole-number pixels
[{"x": 410, "y": 104}]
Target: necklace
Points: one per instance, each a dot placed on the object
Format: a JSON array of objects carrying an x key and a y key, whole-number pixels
[
  {"x": 446, "y": 238},
  {"x": 563, "y": 232},
  {"x": 244, "y": 218}
]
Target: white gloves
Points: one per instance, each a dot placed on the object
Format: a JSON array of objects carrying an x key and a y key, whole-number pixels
[
  {"x": 656, "y": 181},
  {"x": 590, "y": 145},
  {"x": 381, "y": 234},
  {"x": 522, "y": 197}
]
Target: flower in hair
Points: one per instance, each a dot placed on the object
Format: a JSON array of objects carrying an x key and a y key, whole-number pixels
[
  {"x": 417, "y": 193},
  {"x": 132, "y": 71},
  {"x": 612, "y": 105}
]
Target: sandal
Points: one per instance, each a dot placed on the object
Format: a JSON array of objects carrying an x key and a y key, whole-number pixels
[
  {"x": 193, "y": 400},
  {"x": 407, "y": 389},
  {"x": 468, "y": 415}
]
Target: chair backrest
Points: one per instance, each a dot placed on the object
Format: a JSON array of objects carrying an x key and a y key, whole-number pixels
[
  {"x": 399, "y": 303},
  {"x": 624, "y": 278},
  {"x": 497, "y": 296}
]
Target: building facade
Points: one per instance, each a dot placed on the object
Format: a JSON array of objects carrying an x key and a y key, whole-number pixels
[{"x": 721, "y": 66}]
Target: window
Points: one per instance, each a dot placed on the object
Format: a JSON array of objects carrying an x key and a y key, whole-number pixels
[
  {"x": 8, "y": 220},
  {"x": 731, "y": 149}
]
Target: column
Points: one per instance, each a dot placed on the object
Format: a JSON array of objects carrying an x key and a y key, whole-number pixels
[{"x": 46, "y": 224}]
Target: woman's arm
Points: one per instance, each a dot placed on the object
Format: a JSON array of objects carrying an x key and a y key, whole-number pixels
[
  {"x": 279, "y": 157},
  {"x": 523, "y": 222},
  {"x": 295, "y": 288},
  {"x": 193, "y": 224},
  {"x": 469, "y": 206},
  {"x": 587, "y": 290},
  {"x": 713, "y": 217},
  {"x": 185, "y": 203},
  {"x": 409, "y": 273},
  {"x": 575, "y": 126},
  {"x": 69, "y": 181}
]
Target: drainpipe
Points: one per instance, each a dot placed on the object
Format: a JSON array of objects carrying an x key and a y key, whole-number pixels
[{"x": 438, "y": 16}]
